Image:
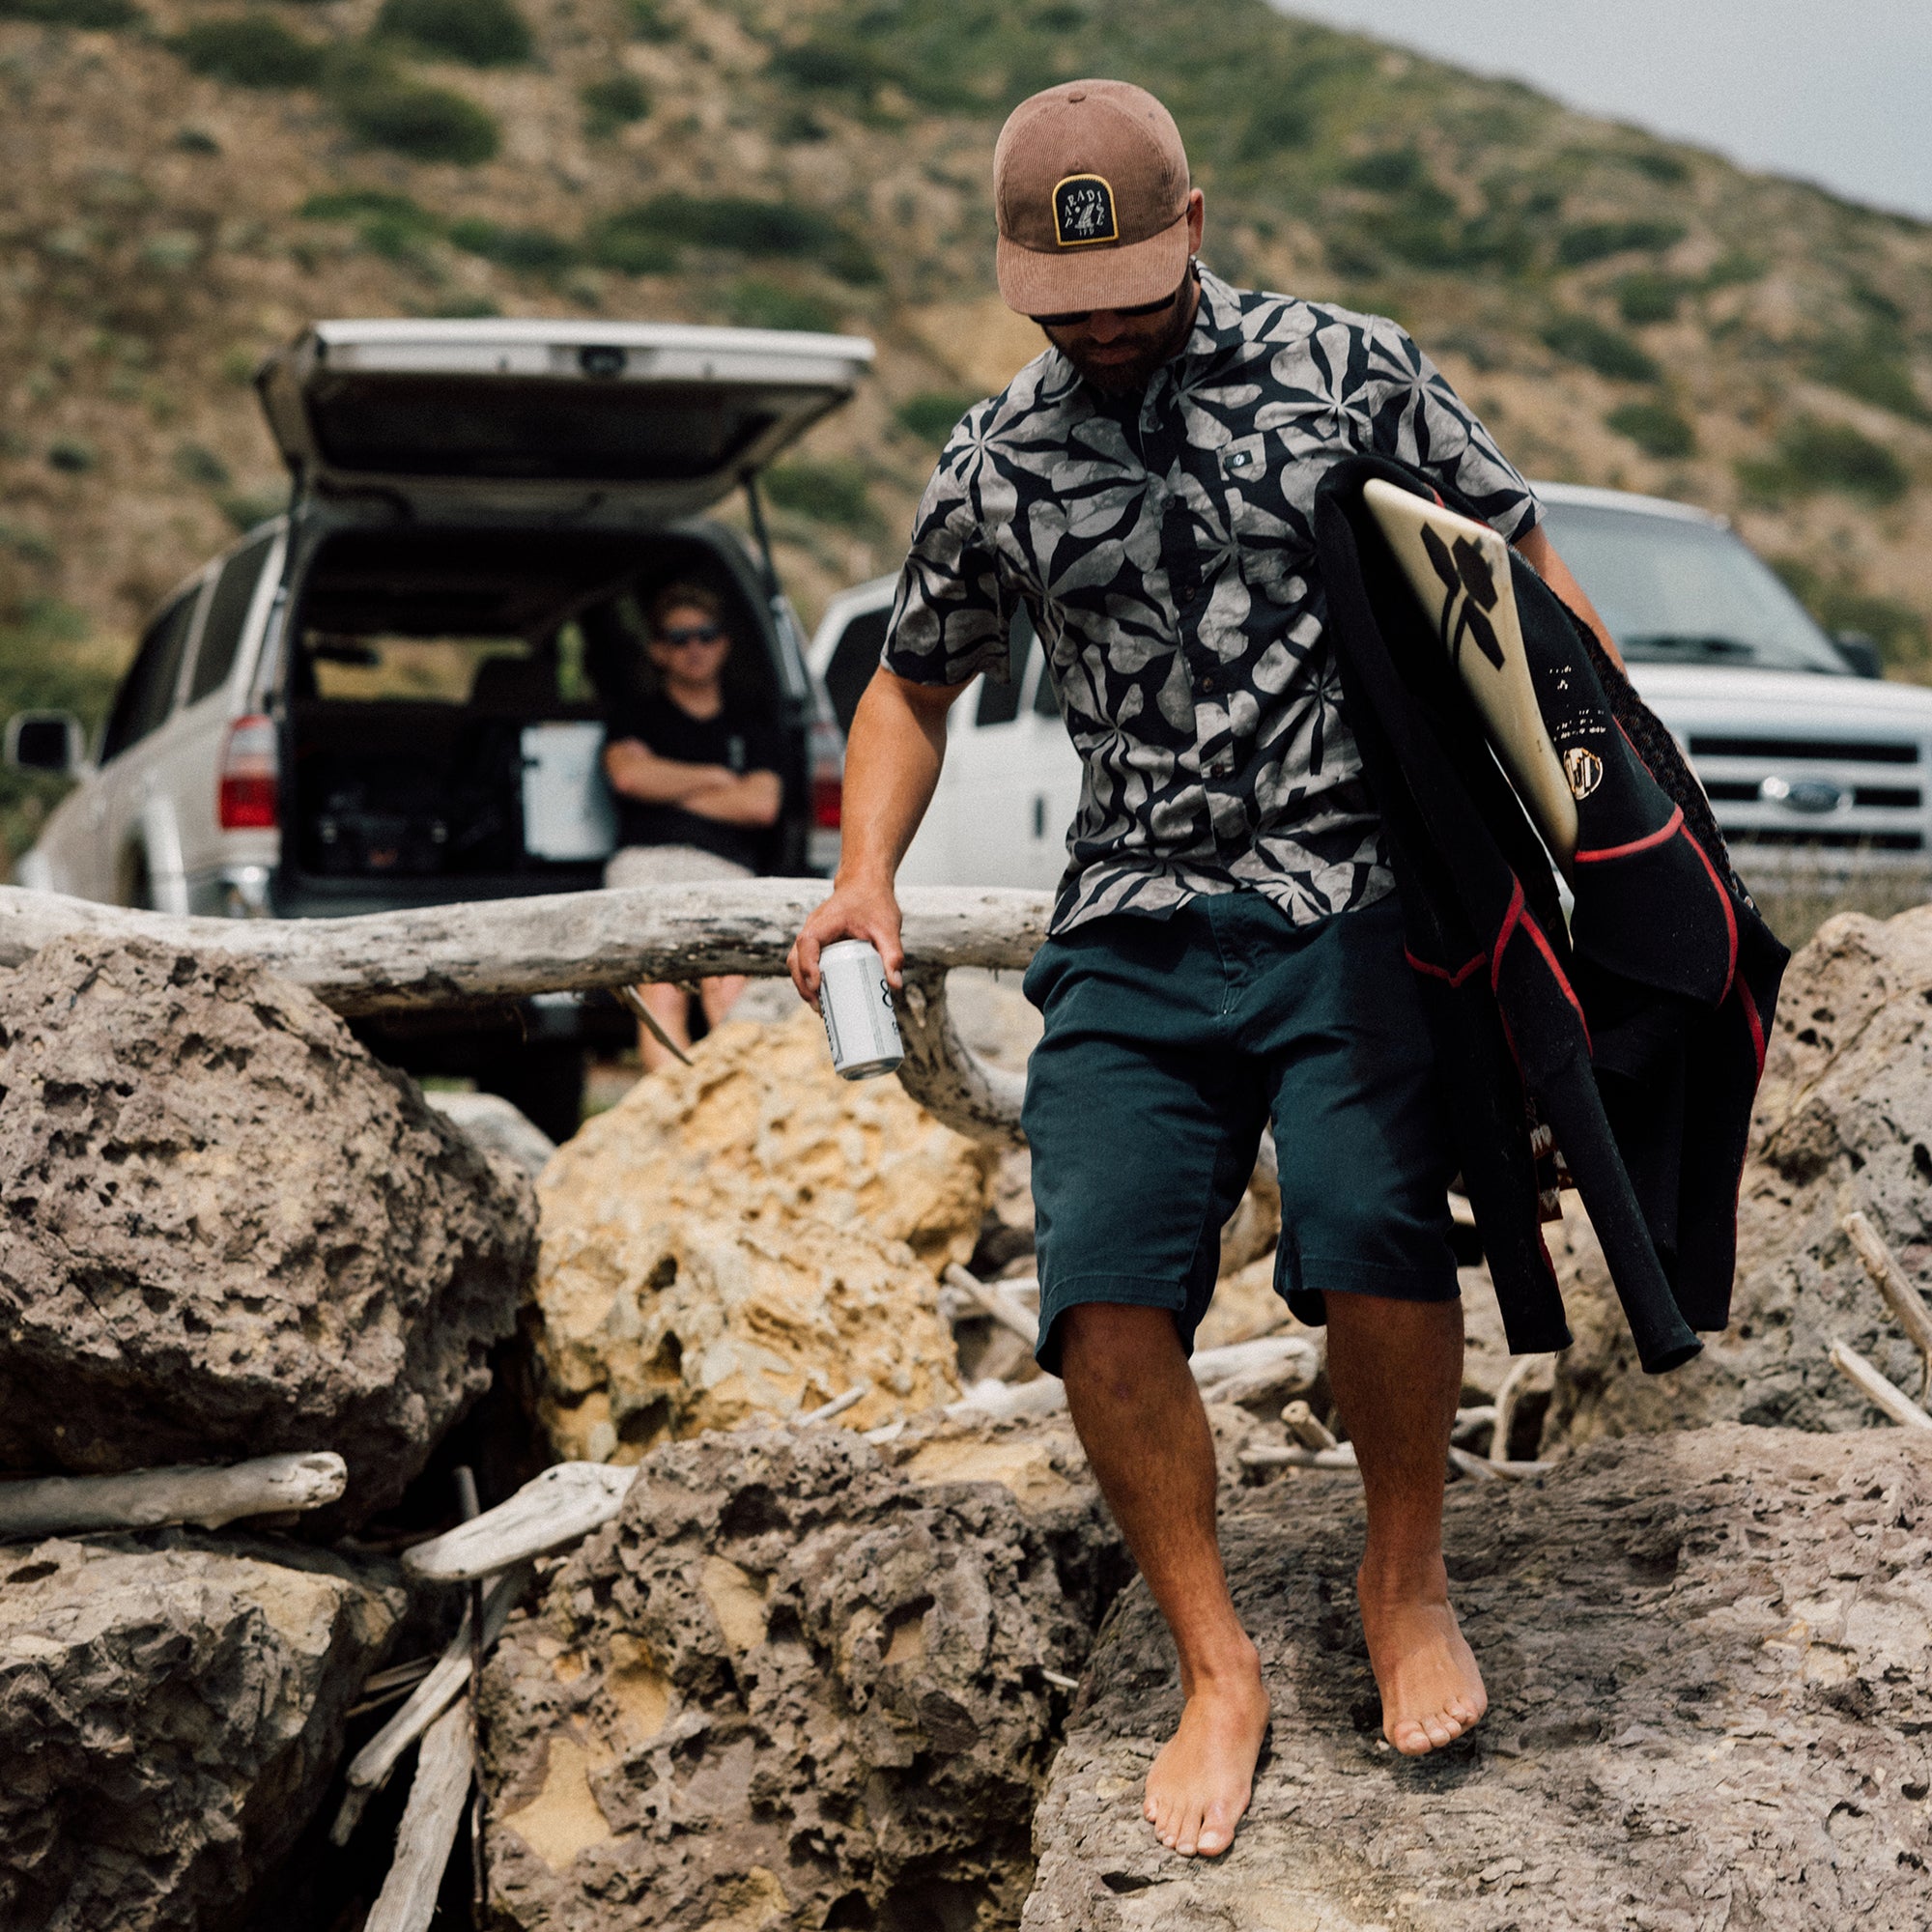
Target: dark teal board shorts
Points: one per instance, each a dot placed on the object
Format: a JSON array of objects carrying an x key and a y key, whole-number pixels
[{"x": 1169, "y": 1044}]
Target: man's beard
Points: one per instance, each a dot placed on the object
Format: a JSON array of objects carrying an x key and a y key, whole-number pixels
[{"x": 1120, "y": 379}]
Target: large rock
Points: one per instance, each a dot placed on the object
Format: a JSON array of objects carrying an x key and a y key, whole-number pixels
[
  {"x": 1709, "y": 1656},
  {"x": 787, "y": 1687},
  {"x": 760, "y": 1124},
  {"x": 228, "y": 1229},
  {"x": 171, "y": 1712},
  {"x": 748, "y": 1236},
  {"x": 1844, "y": 1121}
]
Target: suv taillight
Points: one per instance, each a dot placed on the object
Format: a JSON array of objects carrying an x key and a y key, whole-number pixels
[
  {"x": 247, "y": 801},
  {"x": 828, "y": 775}
]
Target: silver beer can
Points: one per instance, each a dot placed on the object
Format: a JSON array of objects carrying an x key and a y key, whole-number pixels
[{"x": 855, "y": 1003}]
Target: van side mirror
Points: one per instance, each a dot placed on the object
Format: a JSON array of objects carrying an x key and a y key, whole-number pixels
[
  {"x": 1859, "y": 651},
  {"x": 45, "y": 741}
]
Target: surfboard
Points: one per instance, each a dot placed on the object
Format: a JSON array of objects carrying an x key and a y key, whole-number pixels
[{"x": 1459, "y": 570}]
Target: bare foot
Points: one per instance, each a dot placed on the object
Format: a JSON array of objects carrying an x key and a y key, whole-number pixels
[
  {"x": 1201, "y": 1782},
  {"x": 1432, "y": 1691}
]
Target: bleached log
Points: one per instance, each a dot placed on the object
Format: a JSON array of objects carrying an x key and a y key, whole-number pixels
[
  {"x": 1284, "y": 1358},
  {"x": 444, "y": 1681},
  {"x": 1506, "y": 1396},
  {"x": 1306, "y": 1427},
  {"x": 999, "y": 1400},
  {"x": 1293, "y": 1455},
  {"x": 207, "y": 1497},
  {"x": 828, "y": 1411},
  {"x": 496, "y": 950},
  {"x": 1904, "y": 1301},
  {"x": 951, "y": 1082},
  {"x": 995, "y": 1299},
  {"x": 1474, "y": 1467},
  {"x": 431, "y": 1821},
  {"x": 1883, "y": 1392},
  {"x": 560, "y": 1507}
]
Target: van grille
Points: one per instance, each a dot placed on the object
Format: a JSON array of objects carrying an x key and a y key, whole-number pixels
[{"x": 1814, "y": 793}]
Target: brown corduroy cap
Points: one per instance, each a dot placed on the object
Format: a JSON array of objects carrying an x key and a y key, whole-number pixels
[{"x": 1090, "y": 183}]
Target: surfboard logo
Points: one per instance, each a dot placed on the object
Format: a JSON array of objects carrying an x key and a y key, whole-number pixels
[
  {"x": 1466, "y": 574},
  {"x": 1583, "y": 770},
  {"x": 1083, "y": 212}
]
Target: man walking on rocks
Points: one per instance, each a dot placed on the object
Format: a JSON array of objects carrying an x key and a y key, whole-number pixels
[{"x": 1225, "y": 947}]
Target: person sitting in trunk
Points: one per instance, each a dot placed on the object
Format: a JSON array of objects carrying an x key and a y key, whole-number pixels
[{"x": 697, "y": 778}]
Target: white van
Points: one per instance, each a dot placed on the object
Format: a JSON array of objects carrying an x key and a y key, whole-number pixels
[{"x": 1810, "y": 760}]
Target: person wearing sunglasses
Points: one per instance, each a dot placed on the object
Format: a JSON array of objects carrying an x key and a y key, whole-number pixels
[
  {"x": 696, "y": 781},
  {"x": 1225, "y": 951}
]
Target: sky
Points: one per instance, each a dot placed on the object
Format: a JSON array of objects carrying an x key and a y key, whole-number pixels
[{"x": 1835, "y": 93}]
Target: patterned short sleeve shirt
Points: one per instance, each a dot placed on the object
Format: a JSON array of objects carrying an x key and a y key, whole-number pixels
[{"x": 1162, "y": 543}]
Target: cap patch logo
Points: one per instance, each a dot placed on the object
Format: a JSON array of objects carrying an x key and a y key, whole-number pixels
[{"x": 1083, "y": 212}]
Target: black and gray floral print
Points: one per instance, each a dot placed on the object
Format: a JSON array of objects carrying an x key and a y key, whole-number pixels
[{"x": 1164, "y": 545}]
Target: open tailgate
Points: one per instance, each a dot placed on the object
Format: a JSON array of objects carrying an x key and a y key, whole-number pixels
[{"x": 665, "y": 416}]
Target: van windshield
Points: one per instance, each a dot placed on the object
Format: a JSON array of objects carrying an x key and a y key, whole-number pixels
[{"x": 1677, "y": 591}]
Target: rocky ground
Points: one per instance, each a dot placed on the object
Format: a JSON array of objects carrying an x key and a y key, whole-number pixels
[{"x": 857, "y": 1646}]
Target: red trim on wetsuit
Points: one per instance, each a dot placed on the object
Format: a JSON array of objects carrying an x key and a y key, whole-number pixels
[
  {"x": 1730, "y": 926},
  {"x": 1597, "y": 854},
  {"x": 1455, "y": 979}
]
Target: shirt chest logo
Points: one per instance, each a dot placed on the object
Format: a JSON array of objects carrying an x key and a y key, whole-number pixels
[{"x": 1083, "y": 212}]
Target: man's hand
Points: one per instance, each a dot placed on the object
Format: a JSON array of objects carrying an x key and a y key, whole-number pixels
[
  {"x": 892, "y": 764},
  {"x": 868, "y": 911}
]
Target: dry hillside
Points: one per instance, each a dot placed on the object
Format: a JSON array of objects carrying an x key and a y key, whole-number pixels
[{"x": 183, "y": 183}]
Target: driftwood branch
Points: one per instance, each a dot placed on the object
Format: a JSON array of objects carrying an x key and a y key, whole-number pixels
[
  {"x": 430, "y": 1823},
  {"x": 827, "y": 1411},
  {"x": 951, "y": 1082},
  {"x": 207, "y": 1498},
  {"x": 444, "y": 1681},
  {"x": 499, "y": 950},
  {"x": 558, "y": 1507},
  {"x": 1276, "y": 1361},
  {"x": 1904, "y": 1301},
  {"x": 997, "y": 1299},
  {"x": 1307, "y": 1429},
  {"x": 1882, "y": 1392}
]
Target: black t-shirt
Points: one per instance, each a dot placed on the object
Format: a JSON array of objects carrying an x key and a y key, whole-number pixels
[{"x": 739, "y": 740}]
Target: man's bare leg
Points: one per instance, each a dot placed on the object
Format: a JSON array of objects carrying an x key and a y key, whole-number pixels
[
  {"x": 1396, "y": 1368},
  {"x": 1146, "y": 1433},
  {"x": 670, "y": 1008}
]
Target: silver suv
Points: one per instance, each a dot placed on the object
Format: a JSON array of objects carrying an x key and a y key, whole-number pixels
[
  {"x": 393, "y": 696},
  {"x": 1816, "y": 769}
]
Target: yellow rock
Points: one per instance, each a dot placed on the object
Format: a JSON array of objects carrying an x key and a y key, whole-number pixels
[
  {"x": 749, "y": 1237},
  {"x": 760, "y": 1123}
]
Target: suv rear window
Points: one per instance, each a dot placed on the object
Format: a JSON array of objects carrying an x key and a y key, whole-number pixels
[
  {"x": 377, "y": 425},
  {"x": 372, "y": 670}
]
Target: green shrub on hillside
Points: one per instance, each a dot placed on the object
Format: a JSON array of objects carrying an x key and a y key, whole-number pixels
[
  {"x": 96, "y": 14},
  {"x": 1596, "y": 241},
  {"x": 830, "y": 492},
  {"x": 384, "y": 110},
  {"x": 1390, "y": 171},
  {"x": 1658, "y": 429},
  {"x": 250, "y": 50},
  {"x": 1582, "y": 338},
  {"x": 1647, "y": 296},
  {"x": 649, "y": 21},
  {"x": 1280, "y": 124},
  {"x": 530, "y": 251},
  {"x": 613, "y": 102},
  {"x": 479, "y": 33},
  {"x": 932, "y": 414},
  {"x": 646, "y": 239},
  {"x": 197, "y": 465},
  {"x": 855, "y": 67},
  {"x": 756, "y": 303},
  {"x": 1813, "y": 456},
  {"x": 1872, "y": 372}
]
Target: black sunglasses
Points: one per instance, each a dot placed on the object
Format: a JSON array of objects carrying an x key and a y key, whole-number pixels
[
  {"x": 677, "y": 635},
  {"x": 1074, "y": 317}
]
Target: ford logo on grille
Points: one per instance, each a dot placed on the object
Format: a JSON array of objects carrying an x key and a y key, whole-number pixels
[{"x": 1811, "y": 795}]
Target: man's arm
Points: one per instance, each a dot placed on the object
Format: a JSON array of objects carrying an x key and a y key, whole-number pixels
[
  {"x": 638, "y": 772},
  {"x": 739, "y": 798},
  {"x": 892, "y": 764},
  {"x": 1540, "y": 553}
]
